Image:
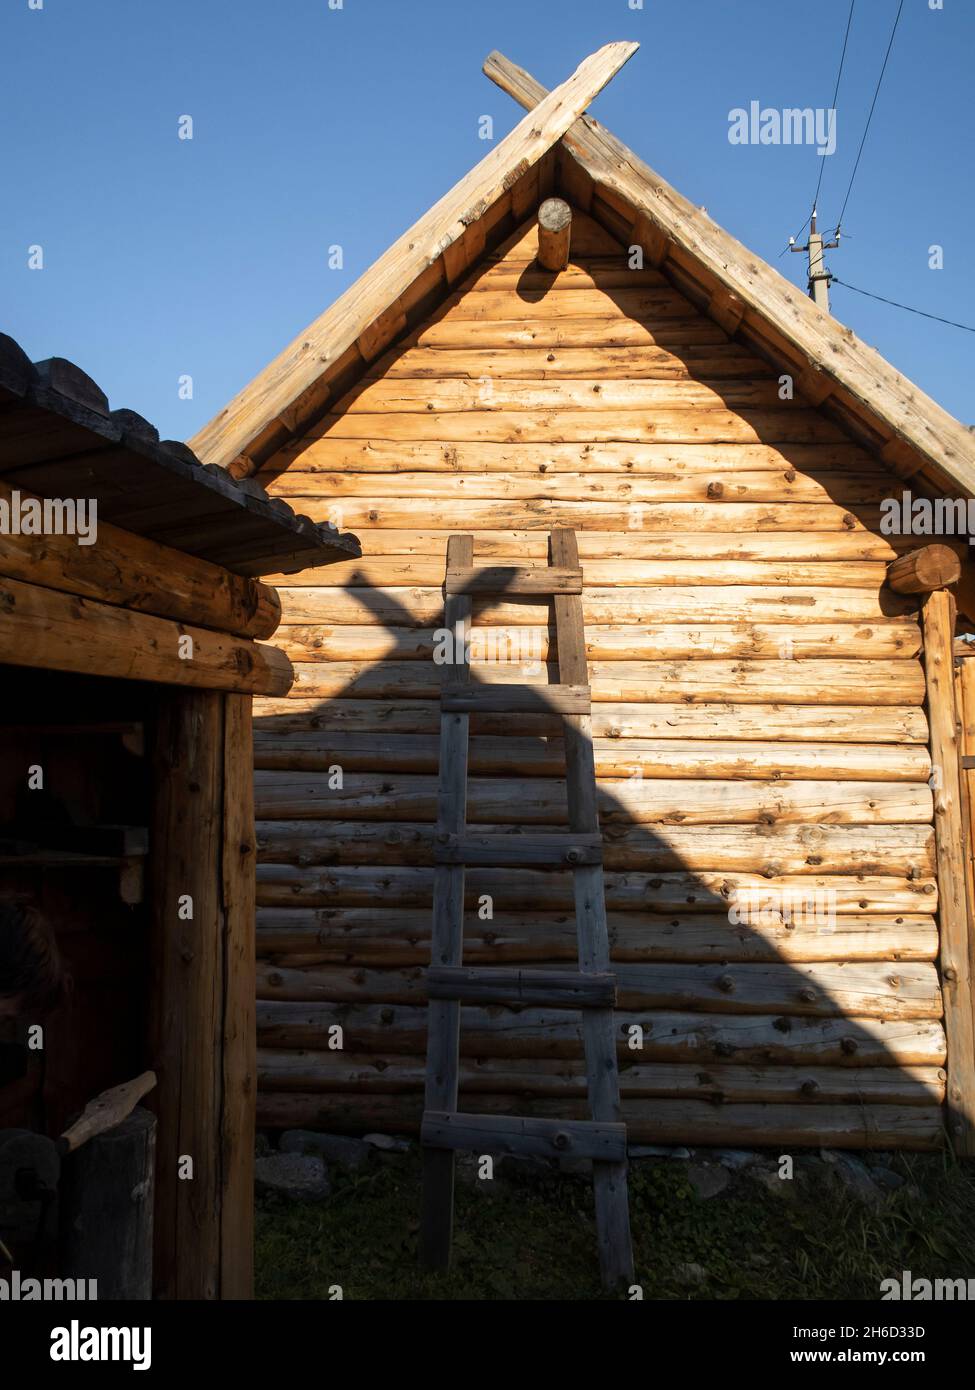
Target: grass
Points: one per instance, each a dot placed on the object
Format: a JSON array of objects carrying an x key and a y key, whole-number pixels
[{"x": 532, "y": 1237}]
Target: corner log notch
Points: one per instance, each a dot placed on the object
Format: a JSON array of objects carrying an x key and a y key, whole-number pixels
[
  {"x": 924, "y": 570},
  {"x": 554, "y": 232}
]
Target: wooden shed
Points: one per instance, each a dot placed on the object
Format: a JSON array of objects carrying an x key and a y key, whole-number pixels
[
  {"x": 130, "y": 653},
  {"x": 782, "y": 740}
]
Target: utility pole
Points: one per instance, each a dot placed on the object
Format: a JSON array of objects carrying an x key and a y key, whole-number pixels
[{"x": 819, "y": 276}]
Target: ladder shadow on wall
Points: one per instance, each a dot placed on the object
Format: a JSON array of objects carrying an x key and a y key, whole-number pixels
[{"x": 736, "y": 1023}]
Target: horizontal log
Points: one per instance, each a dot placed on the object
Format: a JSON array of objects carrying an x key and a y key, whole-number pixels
[
  {"x": 594, "y": 273},
  {"x": 611, "y": 330},
  {"x": 697, "y": 1122},
  {"x": 296, "y": 937},
  {"x": 613, "y": 757},
  {"x": 647, "y": 801},
  {"x": 423, "y": 607},
  {"x": 405, "y": 571},
  {"x": 52, "y": 631},
  {"x": 706, "y": 362},
  {"x": 347, "y": 457},
  {"x": 338, "y": 1073},
  {"x": 896, "y": 637},
  {"x": 556, "y": 988},
  {"x": 661, "y": 301},
  {"x": 774, "y": 488},
  {"x": 540, "y": 1138},
  {"x": 821, "y": 989},
  {"x": 521, "y": 890},
  {"x": 667, "y": 1037},
  {"x": 399, "y": 396},
  {"x": 133, "y": 572},
  {"x": 790, "y": 545},
  {"x": 815, "y": 723},
  {"x": 794, "y": 682},
  {"x": 668, "y": 425},
  {"x": 769, "y": 850}
]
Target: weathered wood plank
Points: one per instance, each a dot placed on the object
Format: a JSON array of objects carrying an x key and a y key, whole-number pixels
[
  {"x": 938, "y": 616},
  {"x": 52, "y": 631},
  {"x": 658, "y": 1121},
  {"x": 552, "y": 988},
  {"x": 840, "y": 724},
  {"x": 513, "y": 579},
  {"x": 667, "y": 1037},
  {"x": 311, "y": 454},
  {"x": 508, "y": 697},
  {"x": 510, "y": 1134},
  {"x": 903, "y": 850},
  {"x": 895, "y": 637},
  {"x": 486, "y": 1079},
  {"x": 777, "y": 488},
  {"x": 717, "y": 603},
  {"x": 135, "y": 573},
  {"x": 552, "y": 851},
  {"x": 535, "y": 688},
  {"x": 390, "y": 938},
  {"x": 521, "y": 890},
  {"x": 820, "y": 989},
  {"x": 381, "y": 752},
  {"x": 647, "y": 801},
  {"x": 666, "y": 425}
]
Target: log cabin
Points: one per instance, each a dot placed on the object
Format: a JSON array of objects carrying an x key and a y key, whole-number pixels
[
  {"x": 783, "y": 722},
  {"x": 130, "y": 649}
]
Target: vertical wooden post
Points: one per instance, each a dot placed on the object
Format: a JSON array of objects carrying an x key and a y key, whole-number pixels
[
  {"x": 240, "y": 1002},
  {"x": 938, "y": 616},
  {"x": 202, "y": 922}
]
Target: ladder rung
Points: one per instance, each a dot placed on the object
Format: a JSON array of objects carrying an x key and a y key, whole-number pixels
[
  {"x": 547, "y": 851},
  {"x": 513, "y": 579},
  {"x": 557, "y": 989},
  {"x": 515, "y": 699},
  {"x": 511, "y": 1134}
]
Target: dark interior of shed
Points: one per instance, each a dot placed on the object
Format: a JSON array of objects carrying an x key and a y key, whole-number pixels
[{"x": 74, "y": 815}]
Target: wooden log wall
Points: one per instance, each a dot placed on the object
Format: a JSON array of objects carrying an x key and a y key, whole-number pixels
[{"x": 760, "y": 733}]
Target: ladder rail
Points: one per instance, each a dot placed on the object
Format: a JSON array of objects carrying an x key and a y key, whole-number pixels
[
  {"x": 598, "y": 1025},
  {"x": 447, "y": 941}
]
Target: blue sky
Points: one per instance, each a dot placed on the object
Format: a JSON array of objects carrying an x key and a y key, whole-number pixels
[{"x": 314, "y": 126}]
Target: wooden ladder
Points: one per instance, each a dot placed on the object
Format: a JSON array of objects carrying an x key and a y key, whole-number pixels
[{"x": 592, "y": 989}]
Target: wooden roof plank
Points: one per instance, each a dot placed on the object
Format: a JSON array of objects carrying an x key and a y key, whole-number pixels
[
  {"x": 909, "y": 414},
  {"x": 352, "y": 315}
]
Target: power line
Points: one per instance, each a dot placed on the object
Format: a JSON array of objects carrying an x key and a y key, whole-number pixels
[
  {"x": 866, "y": 128},
  {"x": 832, "y": 105},
  {"x": 822, "y": 164},
  {"x": 951, "y": 322}
]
